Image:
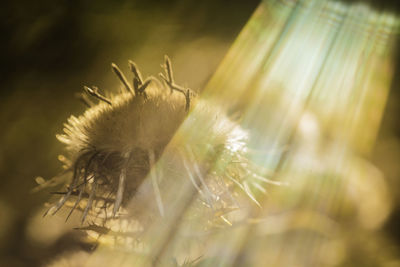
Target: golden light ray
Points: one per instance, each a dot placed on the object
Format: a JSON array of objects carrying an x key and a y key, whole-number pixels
[{"x": 310, "y": 81}]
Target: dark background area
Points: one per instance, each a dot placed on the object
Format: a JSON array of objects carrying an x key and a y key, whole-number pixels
[{"x": 50, "y": 49}]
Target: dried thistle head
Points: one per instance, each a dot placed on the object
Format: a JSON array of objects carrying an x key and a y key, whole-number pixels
[
  {"x": 112, "y": 145},
  {"x": 116, "y": 143}
]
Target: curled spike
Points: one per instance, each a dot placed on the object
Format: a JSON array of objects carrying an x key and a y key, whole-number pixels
[
  {"x": 120, "y": 191},
  {"x": 90, "y": 200},
  {"x": 83, "y": 185},
  {"x": 75, "y": 178},
  {"x": 121, "y": 186},
  {"x": 76, "y": 202}
]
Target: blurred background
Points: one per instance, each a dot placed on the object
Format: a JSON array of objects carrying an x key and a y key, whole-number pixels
[{"x": 50, "y": 49}]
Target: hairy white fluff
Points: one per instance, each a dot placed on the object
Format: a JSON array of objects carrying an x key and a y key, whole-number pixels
[{"x": 131, "y": 121}]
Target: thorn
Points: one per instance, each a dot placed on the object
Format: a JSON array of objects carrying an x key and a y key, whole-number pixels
[
  {"x": 75, "y": 205},
  {"x": 136, "y": 85},
  {"x": 168, "y": 69},
  {"x": 166, "y": 81},
  {"x": 136, "y": 71},
  {"x": 121, "y": 77},
  {"x": 94, "y": 91},
  {"x": 144, "y": 86},
  {"x": 187, "y": 96},
  {"x": 169, "y": 80}
]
